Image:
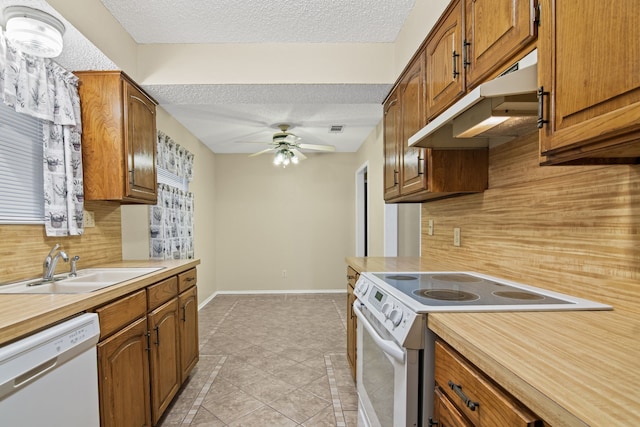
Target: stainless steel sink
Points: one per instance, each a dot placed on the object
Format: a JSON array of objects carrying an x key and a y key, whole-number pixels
[{"x": 87, "y": 280}]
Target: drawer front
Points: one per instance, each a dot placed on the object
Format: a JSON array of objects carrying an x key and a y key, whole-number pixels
[
  {"x": 481, "y": 401},
  {"x": 161, "y": 292},
  {"x": 187, "y": 279},
  {"x": 114, "y": 316}
]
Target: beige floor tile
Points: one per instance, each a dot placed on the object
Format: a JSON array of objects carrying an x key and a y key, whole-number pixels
[
  {"x": 324, "y": 418},
  {"x": 320, "y": 388},
  {"x": 269, "y": 389},
  {"x": 232, "y": 406},
  {"x": 351, "y": 418},
  {"x": 205, "y": 418},
  {"x": 299, "y": 405},
  {"x": 299, "y": 375},
  {"x": 264, "y": 417}
]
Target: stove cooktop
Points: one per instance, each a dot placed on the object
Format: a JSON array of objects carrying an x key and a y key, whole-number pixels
[{"x": 466, "y": 291}]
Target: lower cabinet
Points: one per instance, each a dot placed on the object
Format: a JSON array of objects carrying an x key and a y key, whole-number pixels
[
  {"x": 148, "y": 346},
  {"x": 352, "y": 320},
  {"x": 465, "y": 396}
]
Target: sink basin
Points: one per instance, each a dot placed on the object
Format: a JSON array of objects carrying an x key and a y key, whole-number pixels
[{"x": 87, "y": 280}]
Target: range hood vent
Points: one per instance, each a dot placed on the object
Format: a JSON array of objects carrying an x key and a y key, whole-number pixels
[{"x": 494, "y": 112}]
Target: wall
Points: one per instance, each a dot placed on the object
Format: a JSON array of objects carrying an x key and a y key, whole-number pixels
[
  {"x": 571, "y": 229},
  {"x": 269, "y": 219}
]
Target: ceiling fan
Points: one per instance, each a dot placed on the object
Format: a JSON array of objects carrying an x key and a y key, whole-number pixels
[{"x": 287, "y": 147}]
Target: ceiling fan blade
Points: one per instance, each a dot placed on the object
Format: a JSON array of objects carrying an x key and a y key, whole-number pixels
[
  {"x": 261, "y": 152},
  {"x": 317, "y": 147},
  {"x": 298, "y": 154}
]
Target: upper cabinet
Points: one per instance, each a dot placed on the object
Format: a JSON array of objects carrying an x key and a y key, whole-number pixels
[
  {"x": 496, "y": 32},
  {"x": 414, "y": 174},
  {"x": 118, "y": 138},
  {"x": 589, "y": 75},
  {"x": 473, "y": 41}
]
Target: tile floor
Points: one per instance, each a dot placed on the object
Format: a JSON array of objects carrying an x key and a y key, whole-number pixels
[{"x": 269, "y": 360}]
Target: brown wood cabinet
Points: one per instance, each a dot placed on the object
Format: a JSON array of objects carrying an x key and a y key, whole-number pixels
[
  {"x": 392, "y": 138},
  {"x": 148, "y": 347},
  {"x": 352, "y": 320},
  {"x": 588, "y": 60},
  {"x": 188, "y": 323},
  {"x": 412, "y": 118},
  {"x": 495, "y": 34},
  {"x": 466, "y": 396},
  {"x": 118, "y": 138},
  {"x": 414, "y": 174},
  {"x": 123, "y": 363},
  {"x": 445, "y": 75}
]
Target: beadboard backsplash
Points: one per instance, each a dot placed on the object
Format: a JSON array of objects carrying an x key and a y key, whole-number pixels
[
  {"x": 24, "y": 247},
  {"x": 572, "y": 229}
]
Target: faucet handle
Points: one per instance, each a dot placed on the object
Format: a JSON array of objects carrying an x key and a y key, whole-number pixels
[
  {"x": 53, "y": 250},
  {"x": 74, "y": 262}
]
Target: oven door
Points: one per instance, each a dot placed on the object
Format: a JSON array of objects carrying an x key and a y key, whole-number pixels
[{"x": 387, "y": 376}]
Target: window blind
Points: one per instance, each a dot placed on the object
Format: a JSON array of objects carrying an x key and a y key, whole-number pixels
[{"x": 21, "y": 163}]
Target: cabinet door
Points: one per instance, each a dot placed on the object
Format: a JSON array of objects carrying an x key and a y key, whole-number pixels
[
  {"x": 589, "y": 70},
  {"x": 445, "y": 81},
  {"x": 495, "y": 32},
  {"x": 141, "y": 144},
  {"x": 189, "y": 350},
  {"x": 445, "y": 414},
  {"x": 412, "y": 118},
  {"x": 164, "y": 355},
  {"x": 391, "y": 146},
  {"x": 123, "y": 366}
]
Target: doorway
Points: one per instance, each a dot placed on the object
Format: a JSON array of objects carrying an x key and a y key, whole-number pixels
[{"x": 362, "y": 212}]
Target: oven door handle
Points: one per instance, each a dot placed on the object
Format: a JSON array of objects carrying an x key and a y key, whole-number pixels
[{"x": 389, "y": 347}]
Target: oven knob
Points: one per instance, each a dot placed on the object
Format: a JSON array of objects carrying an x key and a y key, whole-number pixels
[
  {"x": 362, "y": 287},
  {"x": 395, "y": 316},
  {"x": 386, "y": 308}
]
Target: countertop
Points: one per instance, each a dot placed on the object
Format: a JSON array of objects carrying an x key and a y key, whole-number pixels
[
  {"x": 22, "y": 314},
  {"x": 573, "y": 368}
]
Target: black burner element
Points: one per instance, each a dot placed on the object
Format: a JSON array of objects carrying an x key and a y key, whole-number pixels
[
  {"x": 400, "y": 277},
  {"x": 446, "y": 294},
  {"x": 522, "y": 295}
]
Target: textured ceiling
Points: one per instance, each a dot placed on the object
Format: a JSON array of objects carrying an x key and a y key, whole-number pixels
[{"x": 230, "y": 118}]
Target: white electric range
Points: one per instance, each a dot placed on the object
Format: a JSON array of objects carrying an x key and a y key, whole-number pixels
[{"x": 395, "y": 348}]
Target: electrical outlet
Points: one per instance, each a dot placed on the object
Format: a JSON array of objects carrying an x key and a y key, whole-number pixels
[
  {"x": 456, "y": 236},
  {"x": 89, "y": 219},
  {"x": 430, "y": 229},
  {"x": 284, "y": 274}
]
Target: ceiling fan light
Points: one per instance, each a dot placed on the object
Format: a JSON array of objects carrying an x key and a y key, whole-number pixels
[
  {"x": 33, "y": 31},
  {"x": 294, "y": 159}
]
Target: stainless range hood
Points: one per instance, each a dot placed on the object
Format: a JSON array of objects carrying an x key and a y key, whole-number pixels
[{"x": 494, "y": 112}]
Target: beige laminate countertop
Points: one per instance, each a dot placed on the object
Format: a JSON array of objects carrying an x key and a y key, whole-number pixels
[
  {"x": 574, "y": 368},
  {"x": 22, "y": 314}
]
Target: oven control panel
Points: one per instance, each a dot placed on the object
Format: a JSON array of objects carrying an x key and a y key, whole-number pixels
[{"x": 402, "y": 323}]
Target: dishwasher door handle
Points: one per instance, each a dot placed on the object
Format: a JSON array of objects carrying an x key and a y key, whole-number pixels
[{"x": 389, "y": 347}]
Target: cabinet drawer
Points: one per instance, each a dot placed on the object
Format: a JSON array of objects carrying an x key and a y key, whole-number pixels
[
  {"x": 488, "y": 405},
  {"x": 161, "y": 292},
  {"x": 187, "y": 279},
  {"x": 117, "y": 314}
]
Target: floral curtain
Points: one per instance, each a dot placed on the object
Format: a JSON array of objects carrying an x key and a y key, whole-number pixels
[
  {"x": 41, "y": 88},
  {"x": 171, "y": 220}
]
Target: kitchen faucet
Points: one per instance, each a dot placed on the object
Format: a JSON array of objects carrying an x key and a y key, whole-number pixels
[{"x": 50, "y": 262}]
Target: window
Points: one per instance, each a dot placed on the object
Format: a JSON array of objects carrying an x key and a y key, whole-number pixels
[{"x": 21, "y": 175}]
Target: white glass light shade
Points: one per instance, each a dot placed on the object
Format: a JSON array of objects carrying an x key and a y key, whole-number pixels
[{"x": 33, "y": 31}]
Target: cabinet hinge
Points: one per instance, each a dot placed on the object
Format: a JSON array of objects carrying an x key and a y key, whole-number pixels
[{"x": 537, "y": 12}]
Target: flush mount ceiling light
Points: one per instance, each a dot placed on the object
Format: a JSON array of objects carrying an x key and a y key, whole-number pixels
[{"x": 33, "y": 31}]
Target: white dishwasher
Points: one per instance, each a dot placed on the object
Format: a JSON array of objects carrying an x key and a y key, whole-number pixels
[{"x": 50, "y": 378}]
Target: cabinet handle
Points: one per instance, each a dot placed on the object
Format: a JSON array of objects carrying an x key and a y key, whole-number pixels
[
  {"x": 395, "y": 179},
  {"x": 432, "y": 422},
  {"x": 148, "y": 334},
  {"x": 190, "y": 279},
  {"x": 454, "y": 58},
  {"x": 458, "y": 389},
  {"x": 465, "y": 52},
  {"x": 157, "y": 329},
  {"x": 541, "y": 119},
  {"x": 349, "y": 277},
  {"x": 420, "y": 162},
  {"x": 131, "y": 176},
  {"x": 184, "y": 313}
]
